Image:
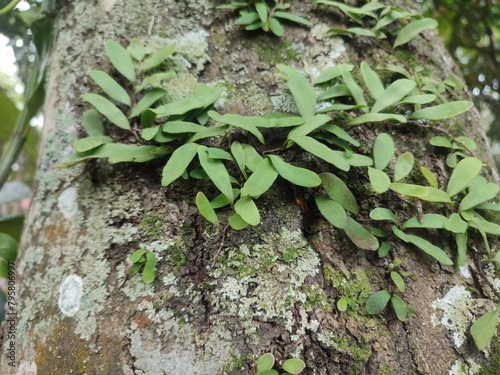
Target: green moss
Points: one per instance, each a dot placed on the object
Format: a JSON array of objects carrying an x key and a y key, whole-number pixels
[
  {"x": 272, "y": 53},
  {"x": 236, "y": 361},
  {"x": 152, "y": 225},
  {"x": 360, "y": 354},
  {"x": 492, "y": 367},
  {"x": 316, "y": 298},
  {"x": 356, "y": 290},
  {"x": 385, "y": 370}
]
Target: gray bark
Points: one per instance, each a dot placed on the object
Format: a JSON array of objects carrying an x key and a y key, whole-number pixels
[{"x": 271, "y": 288}]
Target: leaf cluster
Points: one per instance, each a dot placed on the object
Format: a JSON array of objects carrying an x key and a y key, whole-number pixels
[
  {"x": 266, "y": 366},
  {"x": 146, "y": 261},
  {"x": 376, "y": 20},
  {"x": 265, "y": 15}
]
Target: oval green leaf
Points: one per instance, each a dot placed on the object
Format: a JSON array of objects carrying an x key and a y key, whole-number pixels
[
  {"x": 296, "y": 175},
  {"x": 479, "y": 195},
  {"x": 248, "y": 211},
  {"x": 377, "y": 302},
  {"x": 430, "y": 177},
  {"x": 216, "y": 171},
  {"x": 381, "y": 213},
  {"x": 265, "y": 362},
  {"x": 383, "y": 151},
  {"x": 331, "y": 211},
  {"x": 372, "y": 81},
  {"x": 465, "y": 171},
  {"x": 379, "y": 180},
  {"x": 92, "y": 123},
  {"x": 361, "y": 237},
  {"x": 484, "y": 328},
  {"x": 321, "y": 151},
  {"x": 148, "y": 100},
  {"x": 403, "y": 166},
  {"x": 293, "y": 366},
  {"x": 206, "y": 209},
  {"x": 158, "y": 57},
  {"x": 393, "y": 94},
  {"x": 178, "y": 162},
  {"x": 110, "y": 86},
  {"x": 411, "y": 30},
  {"x": 261, "y": 179},
  {"x": 399, "y": 307},
  {"x": 108, "y": 109},
  {"x": 434, "y": 221},
  {"x": 120, "y": 59},
  {"x": 8, "y": 247},
  {"x": 339, "y": 192},
  {"x": 398, "y": 281},
  {"x": 302, "y": 91}
]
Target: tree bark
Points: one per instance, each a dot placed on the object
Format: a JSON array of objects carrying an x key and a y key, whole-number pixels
[{"x": 215, "y": 307}]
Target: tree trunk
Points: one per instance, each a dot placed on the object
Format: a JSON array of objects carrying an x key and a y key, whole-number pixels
[{"x": 218, "y": 303}]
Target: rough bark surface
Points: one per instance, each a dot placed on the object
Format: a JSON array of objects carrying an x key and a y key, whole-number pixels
[{"x": 271, "y": 288}]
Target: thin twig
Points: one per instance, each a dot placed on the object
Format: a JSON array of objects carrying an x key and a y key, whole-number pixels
[{"x": 221, "y": 245}]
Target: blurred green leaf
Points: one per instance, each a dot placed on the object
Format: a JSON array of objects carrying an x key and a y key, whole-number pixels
[
  {"x": 120, "y": 59},
  {"x": 157, "y": 58},
  {"x": 206, "y": 209},
  {"x": 331, "y": 211},
  {"x": 484, "y": 328},
  {"x": 178, "y": 162},
  {"x": 411, "y": 30},
  {"x": 403, "y": 166},
  {"x": 110, "y": 86},
  {"x": 377, "y": 302},
  {"x": 442, "y": 111},
  {"x": 108, "y": 109}
]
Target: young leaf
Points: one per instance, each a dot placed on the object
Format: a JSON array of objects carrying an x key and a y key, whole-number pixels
[
  {"x": 372, "y": 81},
  {"x": 342, "y": 304},
  {"x": 333, "y": 72},
  {"x": 455, "y": 224},
  {"x": 247, "y": 17},
  {"x": 440, "y": 141},
  {"x": 261, "y": 8},
  {"x": 108, "y": 109},
  {"x": 339, "y": 192},
  {"x": 377, "y": 117},
  {"x": 148, "y": 100},
  {"x": 137, "y": 49},
  {"x": 321, "y": 151},
  {"x": 361, "y": 237},
  {"x": 484, "y": 328},
  {"x": 236, "y": 222},
  {"x": 383, "y": 151},
  {"x": 411, "y": 30},
  {"x": 148, "y": 275},
  {"x": 261, "y": 179},
  {"x": 398, "y": 281},
  {"x": 120, "y": 59},
  {"x": 393, "y": 94},
  {"x": 158, "y": 57},
  {"x": 418, "y": 99},
  {"x": 331, "y": 211},
  {"x": 206, "y": 209},
  {"x": 422, "y": 192},
  {"x": 265, "y": 362},
  {"x": 430, "y": 177},
  {"x": 152, "y": 79},
  {"x": 89, "y": 143},
  {"x": 292, "y": 17},
  {"x": 403, "y": 166},
  {"x": 377, "y": 302},
  {"x": 216, "y": 171},
  {"x": 239, "y": 157},
  {"x": 110, "y": 86},
  {"x": 248, "y": 211},
  {"x": 178, "y": 162},
  {"x": 137, "y": 255},
  {"x": 399, "y": 307},
  {"x": 424, "y": 245},
  {"x": 435, "y": 221},
  {"x": 442, "y": 111},
  {"x": 302, "y": 91},
  {"x": 92, "y": 123},
  {"x": 381, "y": 213},
  {"x": 296, "y": 175},
  {"x": 310, "y": 124},
  {"x": 340, "y": 133},
  {"x": 379, "y": 180},
  {"x": 293, "y": 366},
  {"x": 135, "y": 268},
  {"x": 479, "y": 195},
  {"x": 461, "y": 241},
  {"x": 244, "y": 122},
  {"x": 465, "y": 171},
  {"x": 355, "y": 89}
]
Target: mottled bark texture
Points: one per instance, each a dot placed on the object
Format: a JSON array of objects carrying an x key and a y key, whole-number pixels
[{"x": 272, "y": 288}]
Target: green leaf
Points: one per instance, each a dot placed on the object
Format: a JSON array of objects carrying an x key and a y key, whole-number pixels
[
  {"x": 92, "y": 123},
  {"x": 239, "y": 157},
  {"x": 208, "y": 133},
  {"x": 379, "y": 180},
  {"x": 377, "y": 302},
  {"x": 261, "y": 179},
  {"x": 465, "y": 171},
  {"x": 148, "y": 100},
  {"x": 302, "y": 91},
  {"x": 381, "y": 213},
  {"x": 292, "y": 17},
  {"x": 461, "y": 241},
  {"x": 267, "y": 372},
  {"x": 137, "y": 256},
  {"x": 89, "y": 143},
  {"x": 333, "y": 72},
  {"x": 120, "y": 59},
  {"x": 8, "y": 247},
  {"x": 247, "y": 17},
  {"x": 403, "y": 166},
  {"x": 110, "y": 86},
  {"x": 321, "y": 151},
  {"x": 355, "y": 89},
  {"x": 331, "y": 211},
  {"x": 340, "y": 133},
  {"x": 178, "y": 162},
  {"x": 152, "y": 79},
  {"x": 479, "y": 195},
  {"x": 342, "y": 304},
  {"x": 434, "y": 221},
  {"x": 440, "y": 141},
  {"x": 418, "y": 99},
  {"x": 265, "y": 362},
  {"x": 485, "y": 226},
  {"x": 393, "y": 94},
  {"x": 243, "y": 122},
  {"x": 426, "y": 193},
  {"x": 399, "y": 307},
  {"x": 261, "y": 8},
  {"x": 484, "y": 328},
  {"x": 293, "y": 366},
  {"x": 148, "y": 275},
  {"x": 296, "y": 175},
  {"x": 135, "y": 268},
  {"x": 252, "y": 157},
  {"x": 442, "y": 111},
  {"x": 360, "y": 236},
  {"x": 236, "y": 222},
  {"x": 137, "y": 49},
  {"x": 455, "y": 224},
  {"x": 398, "y": 281},
  {"x": 108, "y": 109},
  {"x": 248, "y": 211},
  {"x": 206, "y": 209},
  {"x": 372, "y": 81},
  {"x": 310, "y": 124},
  {"x": 383, "y": 151},
  {"x": 424, "y": 245},
  {"x": 216, "y": 171},
  {"x": 376, "y": 117},
  {"x": 180, "y": 127},
  {"x": 411, "y": 30},
  {"x": 158, "y": 57},
  {"x": 430, "y": 177},
  {"x": 390, "y": 18},
  {"x": 339, "y": 192}
]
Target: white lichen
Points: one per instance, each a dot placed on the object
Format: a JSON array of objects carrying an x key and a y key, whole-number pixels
[
  {"x": 70, "y": 294},
  {"x": 67, "y": 202},
  {"x": 456, "y": 306}
]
